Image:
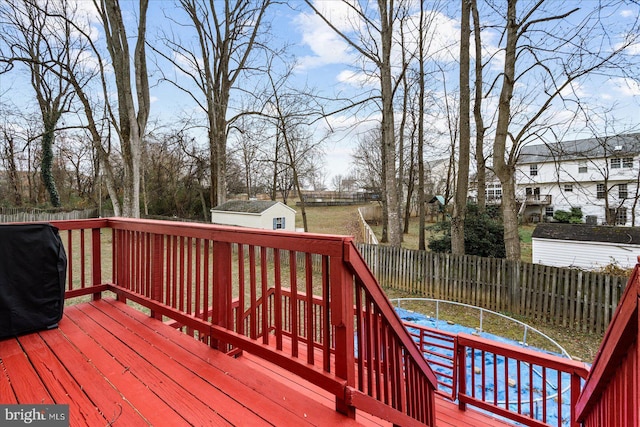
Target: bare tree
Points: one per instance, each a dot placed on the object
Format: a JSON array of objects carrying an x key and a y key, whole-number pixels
[
  {"x": 374, "y": 42},
  {"x": 481, "y": 174},
  {"x": 550, "y": 42},
  {"x": 247, "y": 149},
  {"x": 421, "y": 101},
  {"x": 226, "y": 33},
  {"x": 133, "y": 110},
  {"x": 291, "y": 112},
  {"x": 462, "y": 185},
  {"x": 8, "y": 154},
  {"x": 38, "y": 38}
]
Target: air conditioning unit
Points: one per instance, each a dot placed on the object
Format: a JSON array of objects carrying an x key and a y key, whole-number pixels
[{"x": 591, "y": 220}]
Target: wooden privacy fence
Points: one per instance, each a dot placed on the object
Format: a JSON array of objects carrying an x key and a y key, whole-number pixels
[
  {"x": 44, "y": 215},
  {"x": 575, "y": 299}
]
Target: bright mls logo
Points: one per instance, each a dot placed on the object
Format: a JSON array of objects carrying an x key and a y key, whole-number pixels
[{"x": 38, "y": 415}]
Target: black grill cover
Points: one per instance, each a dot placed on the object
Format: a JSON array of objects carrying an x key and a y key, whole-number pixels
[{"x": 33, "y": 267}]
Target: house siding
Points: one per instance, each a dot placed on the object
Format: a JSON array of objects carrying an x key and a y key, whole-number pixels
[
  {"x": 555, "y": 171},
  {"x": 263, "y": 220},
  {"x": 587, "y": 255}
]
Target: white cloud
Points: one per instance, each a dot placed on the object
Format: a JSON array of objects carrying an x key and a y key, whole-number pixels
[
  {"x": 326, "y": 46},
  {"x": 634, "y": 49},
  {"x": 627, "y": 13},
  {"x": 357, "y": 79},
  {"x": 574, "y": 89},
  {"x": 627, "y": 87}
]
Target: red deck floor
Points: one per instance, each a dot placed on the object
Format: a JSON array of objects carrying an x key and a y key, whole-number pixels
[{"x": 115, "y": 366}]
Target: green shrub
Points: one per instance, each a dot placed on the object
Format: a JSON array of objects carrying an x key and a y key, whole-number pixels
[
  {"x": 569, "y": 217},
  {"x": 483, "y": 234}
]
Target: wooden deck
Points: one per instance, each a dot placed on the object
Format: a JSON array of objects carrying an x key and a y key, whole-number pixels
[{"x": 116, "y": 366}]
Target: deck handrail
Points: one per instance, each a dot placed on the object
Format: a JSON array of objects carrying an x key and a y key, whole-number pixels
[
  {"x": 228, "y": 286},
  {"x": 452, "y": 354},
  {"x": 613, "y": 385},
  {"x": 526, "y": 360}
]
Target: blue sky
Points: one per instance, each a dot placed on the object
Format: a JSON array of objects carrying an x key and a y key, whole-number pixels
[{"x": 325, "y": 62}]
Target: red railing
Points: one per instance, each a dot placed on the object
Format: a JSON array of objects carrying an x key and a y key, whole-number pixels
[
  {"x": 612, "y": 390},
  {"x": 530, "y": 387},
  {"x": 439, "y": 349},
  {"x": 265, "y": 293}
]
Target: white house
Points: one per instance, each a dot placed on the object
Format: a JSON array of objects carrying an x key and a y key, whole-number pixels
[
  {"x": 263, "y": 214},
  {"x": 597, "y": 175},
  {"x": 585, "y": 246},
  {"x": 439, "y": 176}
]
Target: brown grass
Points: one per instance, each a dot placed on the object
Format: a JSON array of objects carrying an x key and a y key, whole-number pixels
[{"x": 343, "y": 220}]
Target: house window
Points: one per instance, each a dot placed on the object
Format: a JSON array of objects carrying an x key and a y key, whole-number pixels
[
  {"x": 278, "y": 223},
  {"x": 568, "y": 187},
  {"x": 493, "y": 192},
  {"x": 582, "y": 168},
  {"x": 548, "y": 211},
  {"x": 533, "y": 170},
  {"x": 627, "y": 162},
  {"x": 622, "y": 191},
  {"x": 600, "y": 191},
  {"x": 619, "y": 216},
  {"x": 616, "y": 163},
  {"x": 532, "y": 193}
]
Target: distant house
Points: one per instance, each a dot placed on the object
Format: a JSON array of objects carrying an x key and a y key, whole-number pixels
[
  {"x": 585, "y": 246},
  {"x": 598, "y": 175},
  {"x": 438, "y": 176},
  {"x": 492, "y": 188},
  {"x": 263, "y": 214}
]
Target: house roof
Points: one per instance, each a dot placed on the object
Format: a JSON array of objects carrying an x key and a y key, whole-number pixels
[
  {"x": 434, "y": 163},
  {"x": 246, "y": 206},
  {"x": 590, "y": 148},
  {"x": 588, "y": 233}
]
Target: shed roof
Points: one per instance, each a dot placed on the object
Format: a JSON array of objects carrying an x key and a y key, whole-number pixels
[
  {"x": 590, "y": 148},
  {"x": 588, "y": 233},
  {"x": 245, "y": 206}
]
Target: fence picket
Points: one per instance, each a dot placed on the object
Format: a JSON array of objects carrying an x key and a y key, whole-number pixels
[{"x": 575, "y": 299}]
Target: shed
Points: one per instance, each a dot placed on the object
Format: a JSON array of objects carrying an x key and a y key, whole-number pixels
[
  {"x": 263, "y": 214},
  {"x": 585, "y": 246}
]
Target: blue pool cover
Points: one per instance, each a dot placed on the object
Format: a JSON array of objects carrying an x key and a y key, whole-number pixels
[{"x": 531, "y": 386}]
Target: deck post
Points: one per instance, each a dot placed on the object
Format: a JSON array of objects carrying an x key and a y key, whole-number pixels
[
  {"x": 157, "y": 271},
  {"x": 575, "y": 394},
  {"x": 341, "y": 293},
  {"x": 119, "y": 250},
  {"x": 96, "y": 261},
  {"x": 462, "y": 375},
  {"x": 221, "y": 288}
]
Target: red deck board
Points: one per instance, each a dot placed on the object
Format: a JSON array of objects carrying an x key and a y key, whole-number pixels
[
  {"x": 26, "y": 385},
  {"x": 175, "y": 360},
  {"x": 111, "y": 403},
  {"x": 133, "y": 391},
  {"x": 257, "y": 390},
  {"x": 61, "y": 385},
  {"x": 117, "y": 366},
  {"x": 158, "y": 382}
]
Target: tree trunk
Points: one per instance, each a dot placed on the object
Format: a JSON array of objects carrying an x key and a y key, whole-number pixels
[
  {"x": 46, "y": 167},
  {"x": 388, "y": 128},
  {"x": 481, "y": 175},
  {"x": 510, "y": 218},
  {"x": 421, "y": 195},
  {"x": 10, "y": 154},
  {"x": 504, "y": 170},
  {"x": 462, "y": 186}
]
